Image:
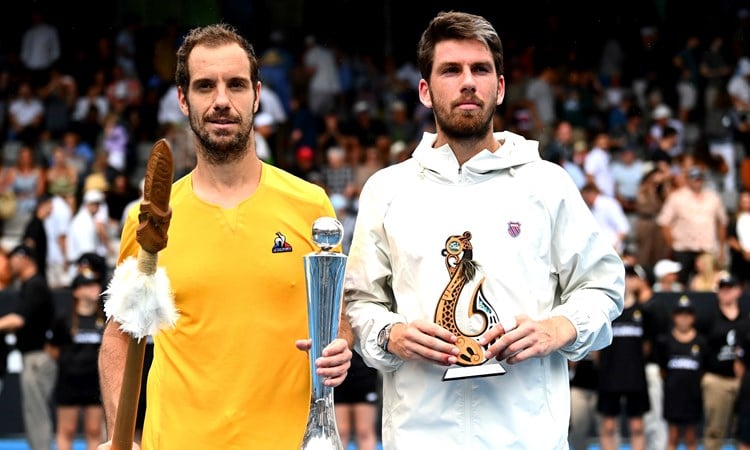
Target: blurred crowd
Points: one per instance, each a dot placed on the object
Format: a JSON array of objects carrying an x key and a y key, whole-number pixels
[{"x": 656, "y": 136}]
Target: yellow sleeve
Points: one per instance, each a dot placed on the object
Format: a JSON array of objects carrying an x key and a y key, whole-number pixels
[{"x": 128, "y": 245}]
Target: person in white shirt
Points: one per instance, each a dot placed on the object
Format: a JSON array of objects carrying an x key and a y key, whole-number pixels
[
  {"x": 57, "y": 227},
  {"x": 627, "y": 171},
  {"x": 25, "y": 115},
  {"x": 324, "y": 85},
  {"x": 476, "y": 257},
  {"x": 83, "y": 236},
  {"x": 597, "y": 165},
  {"x": 40, "y": 48},
  {"x": 609, "y": 214}
]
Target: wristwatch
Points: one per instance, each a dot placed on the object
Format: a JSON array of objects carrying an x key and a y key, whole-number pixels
[{"x": 384, "y": 336}]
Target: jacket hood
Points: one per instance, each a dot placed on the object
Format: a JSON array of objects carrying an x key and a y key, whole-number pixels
[{"x": 516, "y": 150}]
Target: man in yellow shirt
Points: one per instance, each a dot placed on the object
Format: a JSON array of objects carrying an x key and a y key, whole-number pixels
[{"x": 229, "y": 375}]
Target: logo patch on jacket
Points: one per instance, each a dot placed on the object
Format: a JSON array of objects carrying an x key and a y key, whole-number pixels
[
  {"x": 280, "y": 245},
  {"x": 514, "y": 229}
]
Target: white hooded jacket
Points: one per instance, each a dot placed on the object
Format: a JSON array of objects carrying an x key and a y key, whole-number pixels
[{"x": 540, "y": 253}]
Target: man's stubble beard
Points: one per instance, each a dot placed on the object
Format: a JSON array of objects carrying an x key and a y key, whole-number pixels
[
  {"x": 463, "y": 125},
  {"x": 222, "y": 152}
]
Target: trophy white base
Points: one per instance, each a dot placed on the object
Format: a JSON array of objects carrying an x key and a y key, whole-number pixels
[{"x": 485, "y": 370}]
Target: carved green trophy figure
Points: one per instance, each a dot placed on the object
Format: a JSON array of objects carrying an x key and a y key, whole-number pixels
[{"x": 324, "y": 275}]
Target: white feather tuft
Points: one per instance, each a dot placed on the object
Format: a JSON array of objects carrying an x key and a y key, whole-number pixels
[{"x": 142, "y": 304}]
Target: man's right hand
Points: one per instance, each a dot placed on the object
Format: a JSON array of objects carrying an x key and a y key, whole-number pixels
[
  {"x": 108, "y": 446},
  {"x": 423, "y": 340}
]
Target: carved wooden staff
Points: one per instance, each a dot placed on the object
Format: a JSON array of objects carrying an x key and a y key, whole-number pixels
[{"x": 139, "y": 294}]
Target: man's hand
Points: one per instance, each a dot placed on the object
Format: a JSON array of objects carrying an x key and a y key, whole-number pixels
[
  {"x": 334, "y": 363},
  {"x": 423, "y": 340},
  {"x": 530, "y": 338}
]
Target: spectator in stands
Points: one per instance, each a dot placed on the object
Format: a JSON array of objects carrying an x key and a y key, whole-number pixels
[
  {"x": 667, "y": 276},
  {"x": 610, "y": 215},
  {"x": 540, "y": 91},
  {"x": 707, "y": 274},
  {"x": 738, "y": 88},
  {"x": 31, "y": 323},
  {"x": 164, "y": 51},
  {"x": 305, "y": 165},
  {"x": 57, "y": 226},
  {"x": 324, "y": 86},
  {"x": 275, "y": 68},
  {"x": 5, "y": 305},
  {"x": 371, "y": 163},
  {"x": 115, "y": 142},
  {"x": 123, "y": 90},
  {"x": 560, "y": 147},
  {"x": 83, "y": 236},
  {"x": 303, "y": 130},
  {"x": 331, "y": 133},
  {"x": 715, "y": 69},
  {"x": 738, "y": 240},
  {"x": 25, "y": 115},
  {"x": 92, "y": 98},
  {"x": 62, "y": 172},
  {"x": 693, "y": 220},
  {"x": 597, "y": 165},
  {"x": 126, "y": 43},
  {"x": 118, "y": 197},
  {"x": 719, "y": 127},
  {"x": 639, "y": 286},
  {"x": 720, "y": 383},
  {"x": 337, "y": 173},
  {"x": 399, "y": 124},
  {"x": 622, "y": 372},
  {"x": 584, "y": 419},
  {"x": 741, "y": 366},
  {"x": 366, "y": 127},
  {"x": 40, "y": 47},
  {"x": 28, "y": 181},
  {"x": 265, "y": 129},
  {"x": 59, "y": 95},
  {"x": 627, "y": 170},
  {"x": 649, "y": 239},
  {"x": 78, "y": 336},
  {"x": 681, "y": 353},
  {"x": 662, "y": 118},
  {"x": 34, "y": 233}
]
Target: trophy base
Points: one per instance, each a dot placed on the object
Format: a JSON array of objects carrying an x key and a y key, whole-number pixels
[{"x": 485, "y": 370}]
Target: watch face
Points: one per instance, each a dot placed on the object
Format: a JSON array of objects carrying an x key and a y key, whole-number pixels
[{"x": 381, "y": 338}]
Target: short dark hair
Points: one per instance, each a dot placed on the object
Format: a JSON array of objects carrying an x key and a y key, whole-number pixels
[
  {"x": 457, "y": 25},
  {"x": 212, "y": 36}
]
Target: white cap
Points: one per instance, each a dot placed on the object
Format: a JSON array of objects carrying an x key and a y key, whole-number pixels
[
  {"x": 397, "y": 147},
  {"x": 662, "y": 112},
  {"x": 93, "y": 196},
  {"x": 361, "y": 106},
  {"x": 665, "y": 267},
  {"x": 263, "y": 119}
]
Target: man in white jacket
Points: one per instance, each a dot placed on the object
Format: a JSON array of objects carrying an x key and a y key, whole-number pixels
[{"x": 477, "y": 256}]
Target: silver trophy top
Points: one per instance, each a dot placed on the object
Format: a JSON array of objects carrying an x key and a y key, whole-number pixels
[{"x": 327, "y": 233}]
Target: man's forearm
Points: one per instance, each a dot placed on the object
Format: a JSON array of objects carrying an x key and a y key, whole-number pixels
[
  {"x": 345, "y": 330},
  {"x": 111, "y": 367},
  {"x": 11, "y": 322}
]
